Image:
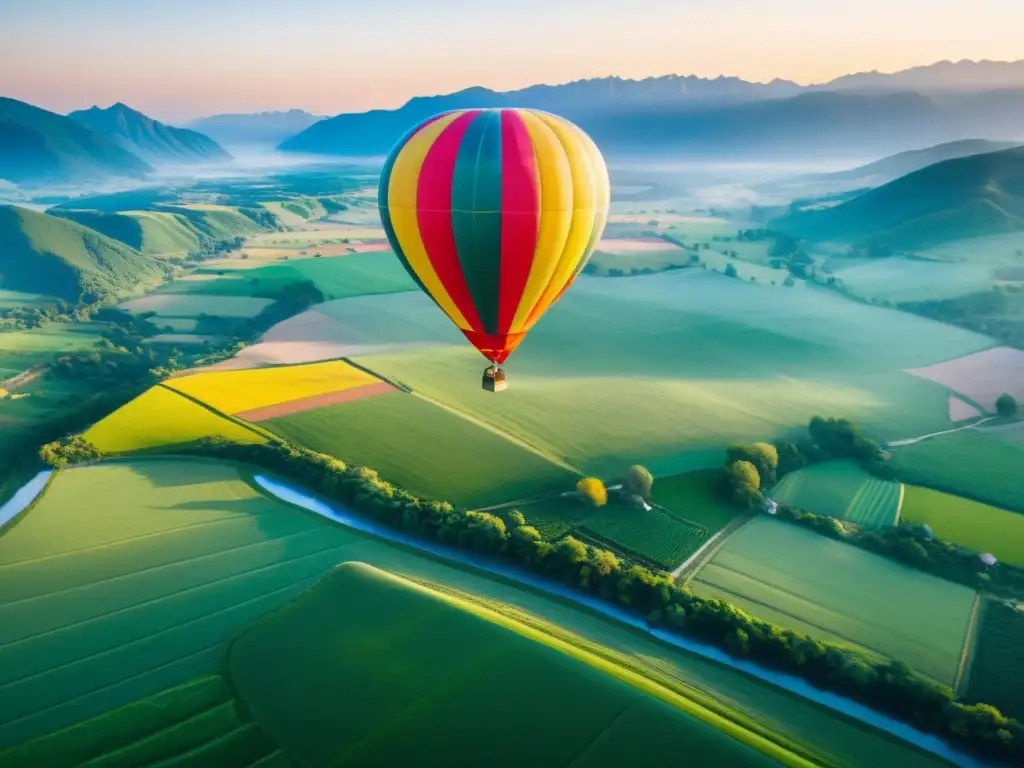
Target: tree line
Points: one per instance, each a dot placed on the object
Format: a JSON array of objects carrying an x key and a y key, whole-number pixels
[{"x": 887, "y": 686}]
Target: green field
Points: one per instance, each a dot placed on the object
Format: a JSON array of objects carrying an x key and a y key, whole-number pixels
[
  {"x": 693, "y": 497},
  {"x": 843, "y": 490},
  {"x": 970, "y": 462},
  {"x": 834, "y": 591},
  {"x": 397, "y": 689},
  {"x": 425, "y": 449},
  {"x": 197, "y": 723},
  {"x": 131, "y": 578},
  {"x": 187, "y": 305},
  {"x": 997, "y": 673},
  {"x": 17, "y": 299},
  {"x": 337, "y": 277},
  {"x": 21, "y": 350},
  {"x": 901, "y": 279},
  {"x": 970, "y": 524},
  {"x": 665, "y": 370},
  {"x": 152, "y": 232},
  {"x": 655, "y": 536}
]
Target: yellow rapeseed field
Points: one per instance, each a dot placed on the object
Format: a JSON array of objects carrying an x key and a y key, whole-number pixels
[
  {"x": 239, "y": 391},
  {"x": 161, "y": 417}
]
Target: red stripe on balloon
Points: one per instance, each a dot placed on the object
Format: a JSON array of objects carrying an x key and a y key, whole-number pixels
[
  {"x": 520, "y": 215},
  {"x": 434, "y": 214}
]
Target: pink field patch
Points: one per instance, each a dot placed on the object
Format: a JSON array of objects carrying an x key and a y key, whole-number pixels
[
  {"x": 982, "y": 376},
  {"x": 961, "y": 411},
  {"x": 636, "y": 245},
  {"x": 316, "y": 401}
]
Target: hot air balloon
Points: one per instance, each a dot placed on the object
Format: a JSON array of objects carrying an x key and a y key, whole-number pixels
[{"x": 494, "y": 212}]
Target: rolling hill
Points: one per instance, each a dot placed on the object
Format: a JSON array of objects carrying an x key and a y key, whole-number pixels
[
  {"x": 771, "y": 122},
  {"x": 891, "y": 168},
  {"x": 149, "y": 138},
  {"x": 153, "y": 232},
  {"x": 54, "y": 257},
  {"x": 257, "y": 128},
  {"x": 952, "y": 200},
  {"x": 41, "y": 146}
]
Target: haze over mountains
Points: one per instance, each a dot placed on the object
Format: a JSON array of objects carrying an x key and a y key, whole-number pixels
[
  {"x": 258, "y": 128},
  {"x": 149, "y": 138}
]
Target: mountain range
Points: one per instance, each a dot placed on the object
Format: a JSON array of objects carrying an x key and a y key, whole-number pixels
[
  {"x": 267, "y": 128},
  {"x": 955, "y": 199},
  {"x": 150, "y": 139},
  {"x": 834, "y": 123},
  {"x": 37, "y": 145}
]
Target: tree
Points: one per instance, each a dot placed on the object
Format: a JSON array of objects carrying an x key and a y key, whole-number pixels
[
  {"x": 730, "y": 271},
  {"x": 1006, "y": 405},
  {"x": 763, "y": 456},
  {"x": 639, "y": 481},
  {"x": 593, "y": 491},
  {"x": 744, "y": 482}
]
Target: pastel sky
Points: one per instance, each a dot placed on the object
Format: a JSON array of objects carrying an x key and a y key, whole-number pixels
[{"x": 176, "y": 59}]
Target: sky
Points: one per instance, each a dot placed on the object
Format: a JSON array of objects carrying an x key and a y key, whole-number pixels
[{"x": 178, "y": 59}]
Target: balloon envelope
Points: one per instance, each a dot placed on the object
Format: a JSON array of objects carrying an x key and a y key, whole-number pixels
[{"x": 494, "y": 212}]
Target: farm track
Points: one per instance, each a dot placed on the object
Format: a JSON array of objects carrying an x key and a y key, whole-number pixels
[
  {"x": 963, "y": 671},
  {"x": 912, "y": 440},
  {"x": 709, "y": 549}
]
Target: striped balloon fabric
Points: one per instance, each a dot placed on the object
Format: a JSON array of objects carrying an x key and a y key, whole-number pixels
[{"x": 494, "y": 212}]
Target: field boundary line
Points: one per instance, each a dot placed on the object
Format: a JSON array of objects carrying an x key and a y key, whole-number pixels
[
  {"x": 387, "y": 380},
  {"x": 501, "y": 433},
  {"x": 899, "y": 504},
  {"x": 912, "y": 440},
  {"x": 718, "y": 540},
  {"x": 963, "y": 672},
  {"x": 227, "y": 416}
]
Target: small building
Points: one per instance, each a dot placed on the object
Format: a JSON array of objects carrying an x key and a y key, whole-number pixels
[{"x": 770, "y": 507}]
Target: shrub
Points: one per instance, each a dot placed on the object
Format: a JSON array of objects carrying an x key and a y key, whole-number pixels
[
  {"x": 639, "y": 481},
  {"x": 1006, "y": 405},
  {"x": 592, "y": 490},
  {"x": 73, "y": 449}
]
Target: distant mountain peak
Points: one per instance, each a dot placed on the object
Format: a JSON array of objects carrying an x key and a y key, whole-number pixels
[{"x": 149, "y": 138}]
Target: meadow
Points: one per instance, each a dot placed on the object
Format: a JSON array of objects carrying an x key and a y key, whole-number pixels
[
  {"x": 842, "y": 490},
  {"x": 693, "y": 497},
  {"x": 398, "y": 688},
  {"x": 997, "y": 672},
  {"x": 901, "y": 279},
  {"x": 833, "y": 591},
  {"x": 426, "y": 449},
  {"x": 187, "y": 305},
  {"x": 337, "y": 277},
  {"x": 973, "y": 462},
  {"x": 139, "y": 573},
  {"x": 198, "y": 722},
  {"x": 664, "y": 370},
  {"x": 238, "y": 391},
  {"x": 161, "y": 417},
  {"x": 971, "y": 524}
]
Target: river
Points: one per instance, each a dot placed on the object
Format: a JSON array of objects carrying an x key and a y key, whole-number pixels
[
  {"x": 790, "y": 683},
  {"x": 23, "y": 497}
]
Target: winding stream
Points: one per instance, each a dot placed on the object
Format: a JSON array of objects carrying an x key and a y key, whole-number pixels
[
  {"x": 23, "y": 497},
  {"x": 790, "y": 683}
]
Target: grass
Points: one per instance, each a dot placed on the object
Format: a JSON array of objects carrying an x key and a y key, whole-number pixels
[
  {"x": 665, "y": 370},
  {"x": 971, "y": 524},
  {"x": 161, "y": 417},
  {"x": 151, "y": 232},
  {"x": 900, "y": 279},
  {"x": 186, "y": 305},
  {"x": 425, "y": 449},
  {"x": 970, "y": 462},
  {"x": 655, "y": 536},
  {"x": 337, "y": 277},
  {"x": 132, "y": 536},
  {"x": 843, "y": 490},
  {"x": 238, "y": 391},
  {"x": 833, "y": 591},
  {"x": 692, "y": 497},
  {"x": 997, "y": 672},
  {"x": 197, "y": 722},
  {"x": 397, "y": 688}
]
